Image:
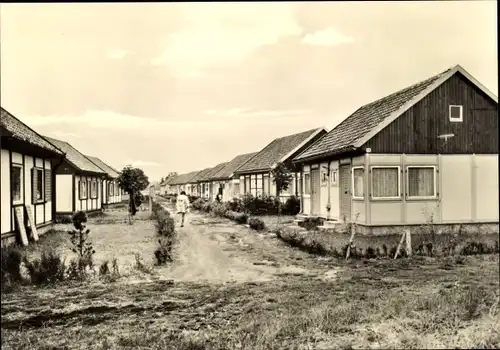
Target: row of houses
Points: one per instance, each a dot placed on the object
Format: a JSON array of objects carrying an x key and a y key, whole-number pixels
[
  {"x": 42, "y": 177},
  {"x": 426, "y": 153}
]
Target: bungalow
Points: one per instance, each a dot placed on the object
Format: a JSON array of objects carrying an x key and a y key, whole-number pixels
[
  {"x": 427, "y": 152},
  {"x": 255, "y": 175},
  {"x": 77, "y": 182},
  {"x": 180, "y": 182},
  {"x": 110, "y": 191},
  {"x": 224, "y": 181},
  {"x": 165, "y": 185},
  {"x": 214, "y": 187},
  {"x": 27, "y": 182},
  {"x": 199, "y": 187}
]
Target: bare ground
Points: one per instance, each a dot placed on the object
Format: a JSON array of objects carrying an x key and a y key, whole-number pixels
[{"x": 231, "y": 287}]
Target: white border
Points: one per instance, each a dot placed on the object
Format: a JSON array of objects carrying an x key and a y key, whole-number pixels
[
  {"x": 408, "y": 182},
  {"x": 456, "y": 120},
  {"x": 353, "y": 196},
  {"x": 399, "y": 181}
]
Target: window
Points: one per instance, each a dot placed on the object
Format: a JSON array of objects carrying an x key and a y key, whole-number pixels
[
  {"x": 324, "y": 177},
  {"x": 357, "y": 182},
  {"x": 456, "y": 113},
  {"x": 38, "y": 179},
  {"x": 307, "y": 183},
  {"x": 298, "y": 184},
  {"x": 247, "y": 188},
  {"x": 421, "y": 182},
  {"x": 93, "y": 189},
  {"x": 83, "y": 189},
  {"x": 266, "y": 186},
  {"x": 236, "y": 189},
  {"x": 333, "y": 177},
  {"x": 386, "y": 182},
  {"x": 16, "y": 178},
  {"x": 258, "y": 185}
]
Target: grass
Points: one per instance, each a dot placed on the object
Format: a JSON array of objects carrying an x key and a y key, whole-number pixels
[{"x": 381, "y": 304}]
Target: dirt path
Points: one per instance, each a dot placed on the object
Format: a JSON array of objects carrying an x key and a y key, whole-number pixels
[{"x": 217, "y": 250}]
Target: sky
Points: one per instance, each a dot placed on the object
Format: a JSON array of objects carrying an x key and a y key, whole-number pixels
[{"x": 186, "y": 86}]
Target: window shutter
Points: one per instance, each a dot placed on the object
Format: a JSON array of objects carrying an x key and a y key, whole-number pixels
[
  {"x": 89, "y": 184},
  {"x": 34, "y": 178},
  {"x": 48, "y": 185},
  {"x": 79, "y": 190}
]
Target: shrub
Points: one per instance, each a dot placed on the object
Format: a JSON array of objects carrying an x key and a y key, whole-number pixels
[
  {"x": 311, "y": 224},
  {"x": 11, "y": 265},
  {"x": 81, "y": 246},
  {"x": 292, "y": 206},
  {"x": 220, "y": 209},
  {"x": 163, "y": 253},
  {"x": 198, "y": 204},
  {"x": 165, "y": 224},
  {"x": 139, "y": 265},
  {"x": 241, "y": 218},
  {"x": 165, "y": 227},
  {"x": 236, "y": 205},
  {"x": 206, "y": 207},
  {"x": 48, "y": 269},
  {"x": 256, "y": 224}
]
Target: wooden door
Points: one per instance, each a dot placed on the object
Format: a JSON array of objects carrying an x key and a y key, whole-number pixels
[
  {"x": 315, "y": 191},
  {"x": 345, "y": 192}
]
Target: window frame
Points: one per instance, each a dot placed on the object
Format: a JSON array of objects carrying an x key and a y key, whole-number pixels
[
  {"x": 21, "y": 187},
  {"x": 333, "y": 177},
  {"x": 456, "y": 120},
  {"x": 83, "y": 194},
  {"x": 93, "y": 187},
  {"x": 435, "y": 179},
  {"x": 399, "y": 196},
  {"x": 353, "y": 196},
  {"x": 34, "y": 185},
  {"x": 304, "y": 182}
]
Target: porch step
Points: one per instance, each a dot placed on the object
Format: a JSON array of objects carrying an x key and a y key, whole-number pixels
[{"x": 338, "y": 227}]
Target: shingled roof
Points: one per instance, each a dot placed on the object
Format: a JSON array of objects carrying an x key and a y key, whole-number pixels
[
  {"x": 276, "y": 151},
  {"x": 107, "y": 169},
  {"x": 77, "y": 159},
  {"x": 168, "y": 180},
  {"x": 210, "y": 175},
  {"x": 227, "y": 172},
  {"x": 368, "y": 120},
  {"x": 200, "y": 176},
  {"x": 13, "y": 127},
  {"x": 184, "y": 178}
]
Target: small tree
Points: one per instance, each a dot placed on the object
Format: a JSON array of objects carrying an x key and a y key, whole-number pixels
[
  {"x": 81, "y": 245},
  {"x": 282, "y": 177},
  {"x": 133, "y": 181}
]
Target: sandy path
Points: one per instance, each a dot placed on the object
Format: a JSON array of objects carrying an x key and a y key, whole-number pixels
[{"x": 218, "y": 251}]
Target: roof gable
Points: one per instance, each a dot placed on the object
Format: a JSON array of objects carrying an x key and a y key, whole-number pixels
[
  {"x": 227, "y": 171},
  {"x": 371, "y": 118},
  {"x": 277, "y": 150},
  {"x": 77, "y": 159},
  {"x": 184, "y": 178},
  {"x": 215, "y": 170},
  {"x": 109, "y": 170},
  {"x": 18, "y": 130}
]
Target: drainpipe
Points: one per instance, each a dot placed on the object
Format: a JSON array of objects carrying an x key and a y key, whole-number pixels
[
  {"x": 329, "y": 204},
  {"x": 301, "y": 202}
]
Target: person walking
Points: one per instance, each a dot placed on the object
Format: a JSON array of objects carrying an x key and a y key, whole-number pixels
[{"x": 182, "y": 206}]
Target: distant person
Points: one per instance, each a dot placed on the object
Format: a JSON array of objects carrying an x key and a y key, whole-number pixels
[
  {"x": 182, "y": 205},
  {"x": 218, "y": 197}
]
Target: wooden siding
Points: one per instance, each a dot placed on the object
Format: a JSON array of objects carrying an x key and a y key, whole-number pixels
[{"x": 416, "y": 131}]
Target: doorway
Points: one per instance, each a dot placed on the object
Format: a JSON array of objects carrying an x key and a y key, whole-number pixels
[
  {"x": 315, "y": 192},
  {"x": 345, "y": 192}
]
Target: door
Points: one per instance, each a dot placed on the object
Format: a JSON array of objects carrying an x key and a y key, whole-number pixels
[
  {"x": 315, "y": 194},
  {"x": 345, "y": 192}
]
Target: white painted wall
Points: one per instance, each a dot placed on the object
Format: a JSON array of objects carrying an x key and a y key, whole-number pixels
[
  {"x": 64, "y": 198},
  {"x": 5, "y": 214}
]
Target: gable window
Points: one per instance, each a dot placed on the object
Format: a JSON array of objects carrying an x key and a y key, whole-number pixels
[
  {"x": 307, "y": 183},
  {"x": 38, "y": 181},
  {"x": 456, "y": 113},
  {"x": 421, "y": 182},
  {"x": 83, "y": 189},
  {"x": 16, "y": 178},
  {"x": 386, "y": 182},
  {"x": 358, "y": 190}
]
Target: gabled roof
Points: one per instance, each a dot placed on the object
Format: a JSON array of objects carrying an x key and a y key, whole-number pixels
[
  {"x": 228, "y": 171},
  {"x": 103, "y": 166},
  {"x": 11, "y": 126},
  {"x": 200, "y": 175},
  {"x": 168, "y": 180},
  {"x": 183, "y": 178},
  {"x": 278, "y": 151},
  {"x": 210, "y": 175},
  {"x": 370, "y": 119},
  {"x": 75, "y": 158}
]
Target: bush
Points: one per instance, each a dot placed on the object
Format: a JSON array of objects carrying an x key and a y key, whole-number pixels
[
  {"x": 220, "y": 209},
  {"x": 11, "y": 265},
  {"x": 198, "y": 204},
  {"x": 165, "y": 224},
  {"x": 50, "y": 268},
  {"x": 256, "y": 224},
  {"x": 165, "y": 228},
  {"x": 81, "y": 246},
  {"x": 206, "y": 207},
  {"x": 291, "y": 206},
  {"x": 312, "y": 224},
  {"x": 241, "y": 218},
  {"x": 236, "y": 205},
  {"x": 163, "y": 253}
]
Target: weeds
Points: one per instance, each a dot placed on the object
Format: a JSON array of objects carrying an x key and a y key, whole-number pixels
[
  {"x": 48, "y": 269},
  {"x": 12, "y": 257},
  {"x": 109, "y": 275},
  {"x": 139, "y": 265}
]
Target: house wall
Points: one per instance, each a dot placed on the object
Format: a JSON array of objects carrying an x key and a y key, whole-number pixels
[
  {"x": 466, "y": 187},
  {"x": 42, "y": 209},
  {"x": 86, "y": 204},
  {"x": 416, "y": 130},
  {"x": 105, "y": 193},
  {"x": 64, "y": 193}
]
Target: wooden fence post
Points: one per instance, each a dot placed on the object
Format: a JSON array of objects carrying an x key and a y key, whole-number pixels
[
  {"x": 408, "y": 242},
  {"x": 353, "y": 232},
  {"x": 400, "y": 244}
]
